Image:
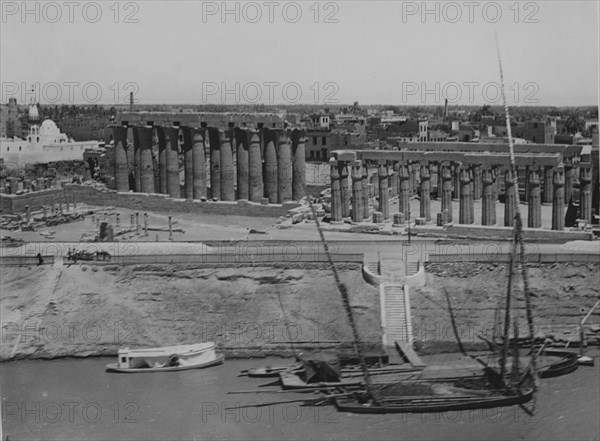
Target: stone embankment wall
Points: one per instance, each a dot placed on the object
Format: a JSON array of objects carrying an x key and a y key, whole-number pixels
[{"x": 12, "y": 204}]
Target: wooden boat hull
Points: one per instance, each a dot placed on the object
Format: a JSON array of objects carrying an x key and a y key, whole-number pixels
[
  {"x": 270, "y": 372},
  {"x": 432, "y": 404},
  {"x": 113, "y": 367},
  {"x": 568, "y": 363},
  {"x": 353, "y": 377}
]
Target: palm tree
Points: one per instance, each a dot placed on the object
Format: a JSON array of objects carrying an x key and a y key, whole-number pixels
[
  {"x": 574, "y": 124},
  {"x": 485, "y": 110}
]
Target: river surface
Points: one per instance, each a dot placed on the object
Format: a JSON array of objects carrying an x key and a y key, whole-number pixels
[{"x": 77, "y": 400}]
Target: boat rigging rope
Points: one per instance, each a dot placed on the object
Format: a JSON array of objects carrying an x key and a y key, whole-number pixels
[
  {"x": 347, "y": 307},
  {"x": 518, "y": 230}
]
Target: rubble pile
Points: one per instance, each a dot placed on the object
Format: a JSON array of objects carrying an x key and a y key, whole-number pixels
[
  {"x": 463, "y": 271},
  {"x": 14, "y": 222}
]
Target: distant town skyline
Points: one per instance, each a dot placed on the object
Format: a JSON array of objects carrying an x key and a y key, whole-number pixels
[{"x": 326, "y": 53}]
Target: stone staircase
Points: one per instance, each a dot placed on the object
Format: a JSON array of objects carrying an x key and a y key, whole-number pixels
[
  {"x": 388, "y": 273},
  {"x": 396, "y": 322},
  {"x": 412, "y": 268}
]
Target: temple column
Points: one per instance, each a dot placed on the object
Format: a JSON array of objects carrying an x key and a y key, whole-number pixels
[
  {"x": 466, "y": 198},
  {"x": 526, "y": 200},
  {"x": 199, "y": 165},
  {"x": 146, "y": 164},
  {"x": 255, "y": 175},
  {"x": 344, "y": 188},
  {"x": 413, "y": 178},
  {"x": 568, "y": 167},
  {"x": 488, "y": 203},
  {"x": 336, "y": 197},
  {"x": 471, "y": 204},
  {"x": 270, "y": 175},
  {"x": 394, "y": 178},
  {"x": 137, "y": 160},
  {"x": 446, "y": 189},
  {"x": 242, "y": 163},
  {"x": 509, "y": 199},
  {"x": 558, "y": 200},
  {"x": 477, "y": 184},
  {"x": 188, "y": 161},
  {"x": 121, "y": 165},
  {"x": 298, "y": 165},
  {"x": 173, "y": 186},
  {"x": 284, "y": 169},
  {"x": 585, "y": 180},
  {"x": 162, "y": 159},
  {"x": 548, "y": 180},
  {"x": 404, "y": 193},
  {"x": 440, "y": 181},
  {"x": 456, "y": 181},
  {"x": 375, "y": 177},
  {"x": 357, "y": 196},
  {"x": 383, "y": 191},
  {"x": 425, "y": 196},
  {"x": 434, "y": 171},
  {"x": 365, "y": 193},
  {"x": 496, "y": 171},
  {"x": 534, "y": 218},
  {"x": 214, "y": 140},
  {"x": 227, "y": 183}
]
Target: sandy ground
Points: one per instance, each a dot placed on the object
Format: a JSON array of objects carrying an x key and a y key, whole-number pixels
[
  {"x": 561, "y": 295},
  {"x": 82, "y": 310},
  {"x": 100, "y": 308},
  {"x": 219, "y": 227},
  {"x": 265, "y": 310}
]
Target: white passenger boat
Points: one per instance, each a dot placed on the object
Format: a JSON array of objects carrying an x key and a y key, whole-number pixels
[{"x": 168, "y": 358}]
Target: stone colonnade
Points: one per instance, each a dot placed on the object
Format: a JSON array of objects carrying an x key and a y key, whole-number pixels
[
  {"x": 262, "y": 165},
  {"x": 454, "y": 181}
]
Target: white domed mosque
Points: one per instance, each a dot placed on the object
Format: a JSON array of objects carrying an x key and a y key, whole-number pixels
[{"x": 44, "y": 144}]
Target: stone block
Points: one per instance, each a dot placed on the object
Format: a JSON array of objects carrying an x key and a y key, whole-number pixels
[
  {"x": 378, "y": 217},
  {"x": 399, "y": 219},
  {"x": 442, "y": 219},
  {"x": 420, "y": 221}
]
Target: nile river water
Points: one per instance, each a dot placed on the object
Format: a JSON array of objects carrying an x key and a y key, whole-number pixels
[{"x": 77, "y": 400}]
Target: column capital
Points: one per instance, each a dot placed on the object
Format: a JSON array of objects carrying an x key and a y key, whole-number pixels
[
  {"x": 464, "y": 175},
  {"x": 558, "y": 178},
  {"x": 335, "y": 173},
  {"x": 487, "y": 176},
  {"x": 446, "y": 173},
  {"x": 383, "y": 171}
]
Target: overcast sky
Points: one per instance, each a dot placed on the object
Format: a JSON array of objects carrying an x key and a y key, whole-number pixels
[{"x": 375, "y": 52}]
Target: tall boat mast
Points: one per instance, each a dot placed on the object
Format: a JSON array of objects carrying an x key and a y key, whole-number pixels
[
  {"x": 518, "y": 228},
  {"x": 347, "y": 307}
]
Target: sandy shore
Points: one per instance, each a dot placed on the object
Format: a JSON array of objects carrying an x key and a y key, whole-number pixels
[
  {"x": 86, "y": 310},
  {"x": 94, "y": 310}
]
